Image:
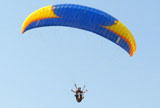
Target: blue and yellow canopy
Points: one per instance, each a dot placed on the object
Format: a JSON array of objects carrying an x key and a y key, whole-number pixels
[{"x": 85, "y": 18}]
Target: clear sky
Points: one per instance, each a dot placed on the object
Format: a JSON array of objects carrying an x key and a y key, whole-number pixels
[{"x": 38, "y": 69}]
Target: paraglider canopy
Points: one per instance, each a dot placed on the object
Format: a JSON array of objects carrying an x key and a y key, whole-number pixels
[{"x": 85, "y": 18}]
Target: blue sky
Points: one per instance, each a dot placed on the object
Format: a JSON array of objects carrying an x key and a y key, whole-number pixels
[{"x": 38, "y": 68}]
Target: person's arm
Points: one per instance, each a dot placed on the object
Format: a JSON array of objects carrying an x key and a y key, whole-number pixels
[
  {"x": 85, "y": 91},
  {"x": 73, "y": 91}
]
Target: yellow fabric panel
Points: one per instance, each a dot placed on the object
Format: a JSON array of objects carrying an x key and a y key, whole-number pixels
[
  {"x": 121, "y": 30},
  {"x": 42, "y": 13}
]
